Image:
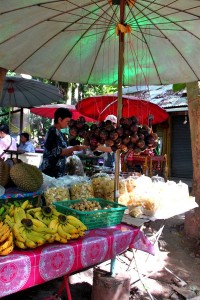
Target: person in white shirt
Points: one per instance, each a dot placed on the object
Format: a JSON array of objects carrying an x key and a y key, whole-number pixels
[
  {"x": 25, "y": 145},
  {"x": 6, "y": 141},
  {"x": 109, "y": 159}
]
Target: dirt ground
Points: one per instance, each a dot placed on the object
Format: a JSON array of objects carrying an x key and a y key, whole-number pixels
[{"x": 174, "y": 252}]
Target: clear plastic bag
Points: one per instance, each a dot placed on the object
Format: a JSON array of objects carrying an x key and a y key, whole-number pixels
[{"x": 74, "y": 166}]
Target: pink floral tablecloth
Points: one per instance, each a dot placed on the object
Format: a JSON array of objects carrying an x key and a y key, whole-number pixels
[{"x": 23, "y": 269}]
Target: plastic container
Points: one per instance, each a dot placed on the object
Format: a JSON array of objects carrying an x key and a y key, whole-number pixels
[{"x": 95, "y": 218}]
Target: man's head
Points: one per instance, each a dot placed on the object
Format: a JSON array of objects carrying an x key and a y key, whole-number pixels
[
  {"x": 62, "y": 117},
  {"x": 24, "y": 137},
  {"x": 112, "y": 119}
]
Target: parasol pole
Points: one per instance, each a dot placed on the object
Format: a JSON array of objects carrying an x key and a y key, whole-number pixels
[{"x": 120, "y": 82}]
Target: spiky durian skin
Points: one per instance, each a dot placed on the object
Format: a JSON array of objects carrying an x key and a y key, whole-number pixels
[{"x": 26, "y": 177}]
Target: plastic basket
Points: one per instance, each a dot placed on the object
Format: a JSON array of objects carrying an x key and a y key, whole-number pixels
[{"x": 96, "y": 218}]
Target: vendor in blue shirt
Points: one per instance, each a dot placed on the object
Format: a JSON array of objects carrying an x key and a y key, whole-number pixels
[{"x": 25, "y": 145}]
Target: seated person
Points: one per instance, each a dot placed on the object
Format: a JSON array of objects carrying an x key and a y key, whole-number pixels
[
  {"x": 6, "y": 141},
  {"x": 25, "y": 145}
]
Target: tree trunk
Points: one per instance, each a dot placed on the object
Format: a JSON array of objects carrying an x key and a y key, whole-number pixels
[
  {"x": 192, "y": 218},
  {"x": 2, "y": 78}
]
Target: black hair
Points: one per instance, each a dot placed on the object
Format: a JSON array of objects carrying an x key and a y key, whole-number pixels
[
  {"x": 26, "y": 135},
  {"x": 74, "y": 142},
  {"x": 62, "y": 113},
  {"x": 4, "y": 128}
]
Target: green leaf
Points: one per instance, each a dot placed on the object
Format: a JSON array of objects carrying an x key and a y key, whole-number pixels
[{"x": 178, "y": 87}]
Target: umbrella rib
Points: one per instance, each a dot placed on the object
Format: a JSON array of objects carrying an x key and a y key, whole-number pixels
[
  {"x": 171, "y": 44},
  {"x": 111, "y": 103},
  {"x": 163, "y": 6},
  {"x": 42, "y": 92},
  {"x": 148, "y": 50},
  {"x": 95, "y": 59},
  {"x": 50, "y": 38},
  {"x": 74, "y": 43}
]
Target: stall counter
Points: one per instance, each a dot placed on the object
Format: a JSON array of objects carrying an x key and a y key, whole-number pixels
[{"x": 26, "y": 268}]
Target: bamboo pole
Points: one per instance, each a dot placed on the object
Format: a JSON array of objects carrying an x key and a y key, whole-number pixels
[{"x": 120, "y": 83}]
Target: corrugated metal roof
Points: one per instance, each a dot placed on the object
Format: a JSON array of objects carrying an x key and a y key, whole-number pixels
[{"x": 160, "y": 95}]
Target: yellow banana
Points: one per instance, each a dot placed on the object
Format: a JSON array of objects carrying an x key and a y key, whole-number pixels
[
  {"x": 11, "y": 210},
  {"x": 50, "y": 238},
  {"x": 44, "y": 230},
  {"x": 42, "y": 218},
  {"x": 74, "y": 236},
  {"x": 19, "y": 233},
  {"x": 7, "y": 243},
  {"x": 38, "y": 223},
  {"x": 7, "y": 250},
  {"x": 38, "y": 239},
  {"x": 32, "y": 211},
  {"x": 55, "y": 212},
  {"x": 69, "y": 228},
  {"x": 63, "y": 233},
  {"x": 76, "y": 222},
  {"x": 1, "y": 224},
  {"x": 4, "y": 232},
  {"x": 30, "y": 244},
  {"x": 9, "y": 220},
  {"x": 20, "y": 245},
  {"x": 59, "y": 239},
  {"x": 53, "y": 224},
  {"x": 29, "y": 216},
  {"x": 19, "y": 214},
  {"x": 25, "y": 204},
  {"x": 81, "y": 233},
  {"x": 5, "y": 236}
]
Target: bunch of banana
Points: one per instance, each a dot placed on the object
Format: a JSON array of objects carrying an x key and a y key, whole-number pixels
[
  {"x": 31, "y": 233},
  {"x": 26, "y": 204},
  {"x": 6, "y": 239},
  {"x": 65, "y": 230},
  {"x": 43, "y": 214}
]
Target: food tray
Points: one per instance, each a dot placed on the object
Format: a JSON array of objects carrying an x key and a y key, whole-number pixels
[{"x": 95, "y": 218}]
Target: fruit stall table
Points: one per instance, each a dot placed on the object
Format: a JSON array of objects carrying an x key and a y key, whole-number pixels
[
  {"x": 22, "y": 269},
  {"x": 14, "y": 194}
]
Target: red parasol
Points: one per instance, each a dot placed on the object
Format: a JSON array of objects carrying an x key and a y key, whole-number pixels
[
  {"x": 99, "y": 107},
  {"x": 47, "y": 111}
]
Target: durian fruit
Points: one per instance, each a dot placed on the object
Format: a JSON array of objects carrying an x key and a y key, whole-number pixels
[
  {"x": 26, "y": 177},
  {"x": 4, "y": 173}
]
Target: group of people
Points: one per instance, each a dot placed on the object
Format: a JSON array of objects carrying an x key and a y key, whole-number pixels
[
  {"x": 56, "y": 148},
  {"x": 7, "y": 142}
]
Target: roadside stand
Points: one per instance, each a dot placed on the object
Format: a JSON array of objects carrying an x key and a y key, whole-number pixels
[{"x": 116, "y": 42}]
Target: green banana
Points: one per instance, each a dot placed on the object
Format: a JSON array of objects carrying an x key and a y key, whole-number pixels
[
  {"x": 2, "y": 209},
  {"x": 16, "y": 203}
]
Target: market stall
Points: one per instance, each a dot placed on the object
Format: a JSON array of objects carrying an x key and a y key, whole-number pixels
[{"x": 25, "y": 268}]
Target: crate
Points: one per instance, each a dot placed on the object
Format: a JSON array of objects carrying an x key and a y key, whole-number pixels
[{"x": 96, "y": 218}]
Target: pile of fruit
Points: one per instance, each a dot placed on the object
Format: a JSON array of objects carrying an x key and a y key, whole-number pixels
[
  {"x": 87, "y": 205},
  {"x": 128, "y": 135},
  {"x": 28, "y": 227}
]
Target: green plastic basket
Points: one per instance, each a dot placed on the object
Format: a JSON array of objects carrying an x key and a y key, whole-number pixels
[{"x": 96, "y": 218}]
